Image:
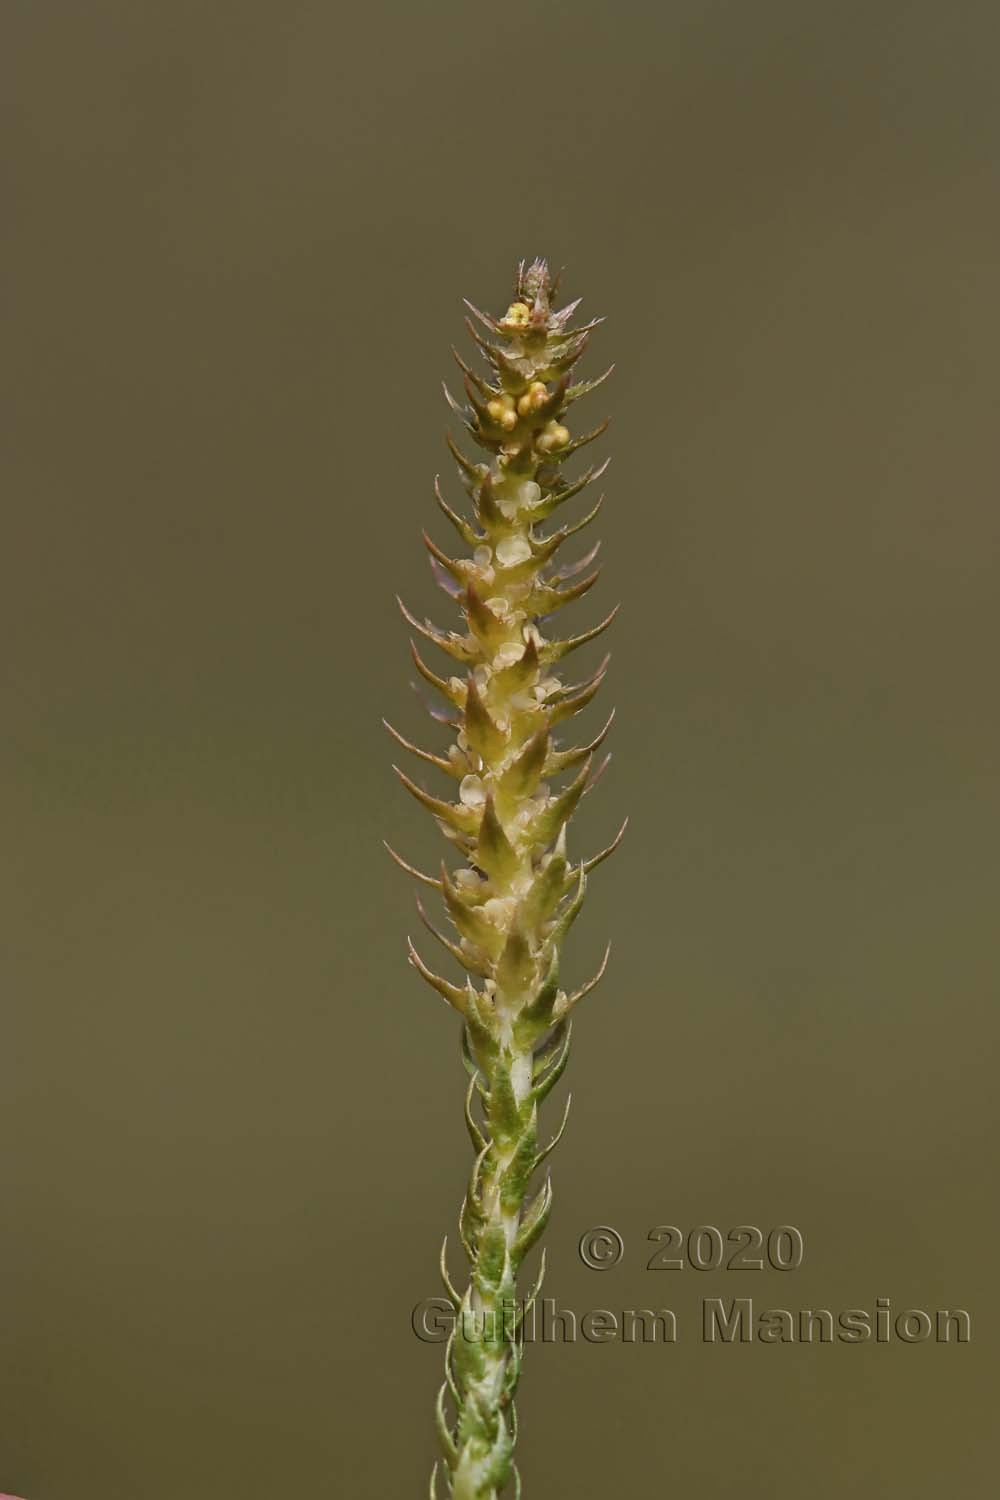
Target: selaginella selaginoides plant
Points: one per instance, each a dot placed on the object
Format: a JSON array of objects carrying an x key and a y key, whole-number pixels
[{"x": 515, "y": 786}]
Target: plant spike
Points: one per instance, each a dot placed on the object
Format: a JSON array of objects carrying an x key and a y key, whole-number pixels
[{"x": 515, "y": 897}]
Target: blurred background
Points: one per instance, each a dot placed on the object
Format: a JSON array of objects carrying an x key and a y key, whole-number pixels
[{"x": 237, "y": 238}]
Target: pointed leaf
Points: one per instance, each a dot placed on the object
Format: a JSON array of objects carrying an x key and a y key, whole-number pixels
[
  {"x": 445, "y": 942},
  {"x": 563, "y": 491},
  {"x": 465, "y": 531},
  {"x": 480, "y": 384},
  {"x": 595, "y": 860},
  {"x": 520, "y": 674},
  {"x": 454, "y": 692},
  {"x": 446, "y": 640},
  {"x": 516, "y": 965},
  {"x": 564, "y": 760},
  {"x": 482, "y": 733},
  {"x": 554, "y": 1067},
  {"x": 545, "y": 600},
  {"x": 517, "y": 1173},
  {"x": 457, "y": 567},
  {"x": 504, "y": 1118},
  {"x": 488, "y": 512},
  {"x": 482, "y": 621},
  {"x": 455, "y": 996},
  {"x": 468, "y": 468},
  {"x": 454, "y": 815},
  {"x": 585, "y": 989},
  {"x": 561, "y": 808},
  {"x": 558, "y": 1135},
  {"x": 588, "y": 437},
  {"x": 536, "y": 1017},
  {"x": 570, "y": 912},
  {"x": 496, "y": 356},
  {"x": 482, "y": 1047},
  {"x": 494, "y": 852},
  {"x": 565, "y": 532},
  {"x": 484, "y": 318},
  {"x": 433, "y": 760},
  {"x": 470, "y": 923},
  {"x": 417, "y": 874},
  {"x": 534, "y": 1221},
  {"x": 547, "y": 889},
  {"x": 448, "y": 1444},
  {"x": 453, "y": 1296},
  {"x": 475, "y": 1134},
  {"x": 555, "y": 650},
  {"x": 567, "y": 707},
  {"x": 585, "y": 387},
  {"x": 524, "y": 773}
]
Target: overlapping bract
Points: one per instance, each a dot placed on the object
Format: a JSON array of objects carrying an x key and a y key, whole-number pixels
[{"x": 516, "y": 894}]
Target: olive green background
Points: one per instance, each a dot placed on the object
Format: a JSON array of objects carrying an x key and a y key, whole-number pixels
[{"x": 237, "y": 238}]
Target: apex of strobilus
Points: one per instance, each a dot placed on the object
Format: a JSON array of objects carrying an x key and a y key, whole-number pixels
[{"x": 514, "y": 786}]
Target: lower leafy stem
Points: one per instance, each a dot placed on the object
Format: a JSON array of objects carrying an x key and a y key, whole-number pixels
[{"x": 484, "y": 1352}]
